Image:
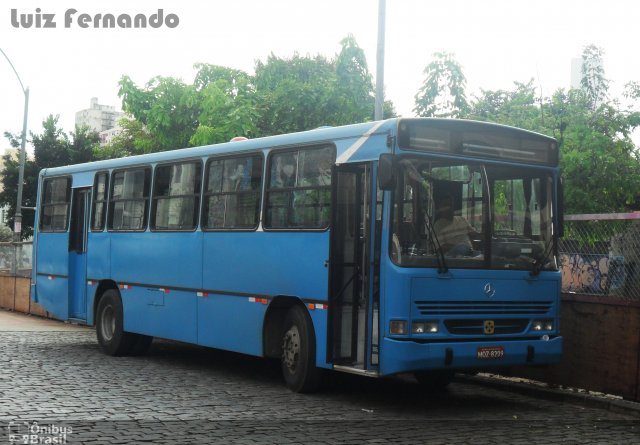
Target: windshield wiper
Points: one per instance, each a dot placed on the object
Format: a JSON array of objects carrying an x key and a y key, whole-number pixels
[
  {"x": 538, "y": 263},
  {"x": 442, "y": 263}
]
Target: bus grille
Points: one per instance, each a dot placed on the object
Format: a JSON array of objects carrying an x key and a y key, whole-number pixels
[
  {"x": 431, "y": 308},
  {"x": 476, "y": 327}
]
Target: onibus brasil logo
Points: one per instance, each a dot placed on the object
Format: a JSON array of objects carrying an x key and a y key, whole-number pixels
[{"x": 34, "y": 433}]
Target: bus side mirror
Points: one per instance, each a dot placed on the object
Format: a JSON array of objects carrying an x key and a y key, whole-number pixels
[
  {"x": 387, "y": 171},
  {"x": 560, "y": 209}
]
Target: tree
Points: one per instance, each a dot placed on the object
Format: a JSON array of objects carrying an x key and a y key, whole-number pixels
[
  {"x": 294, "y": 94},
  {"x": 284, "y": 95},
  {"x": 228, "y": 105},
  {"x": 134, "y": 139},
  {"x": 518, "y": 107},
  {"x": 598, "y": 159},
  {"x": 303, "y": 93},
  {"x": 443, "y": 91},
  {"x": 593, "y": 82},
  {"x": 52, "y": 148},
  {"x": 166, "y": 106},
  {"x": 354, "y": 92},
  {"x": 9, "y": 179}
]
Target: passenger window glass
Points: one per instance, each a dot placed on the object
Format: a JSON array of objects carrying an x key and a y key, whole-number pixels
[
  {"x": 176, "y": 196},
  {"x": 299, "y": 195},
  {"x": 100, "y": 188},
  {"x": 54, "y": 214},
  {"x": 128, "y": 205},
  {"x": 232, "y": 197}
]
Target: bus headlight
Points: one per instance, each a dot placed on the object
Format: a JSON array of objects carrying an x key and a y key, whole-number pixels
[
  {"x": 424, "y": 327},
  {"x": 398, "y": 327},
  {"x": 542, "y": 325}
]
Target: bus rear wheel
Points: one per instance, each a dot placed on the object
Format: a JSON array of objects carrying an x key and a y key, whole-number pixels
[
  {"x": 109, "y": 325},
  {"x": 299, "y": 352}
]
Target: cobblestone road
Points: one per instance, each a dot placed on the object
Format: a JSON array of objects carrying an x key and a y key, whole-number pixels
[{"x": 50, "y": 381}]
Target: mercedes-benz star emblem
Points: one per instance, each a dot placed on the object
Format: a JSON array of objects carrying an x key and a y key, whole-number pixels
[{"x": 489, "y": 290}]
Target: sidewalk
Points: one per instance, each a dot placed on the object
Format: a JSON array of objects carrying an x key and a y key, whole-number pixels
[
  {"x": 19, "y": 322},
  {"x": 562, "y": 395}
]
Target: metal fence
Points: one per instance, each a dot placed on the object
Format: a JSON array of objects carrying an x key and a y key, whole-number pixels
[
  {"x": 600, "y": 255},
  {"x": 15, "y": 259}
]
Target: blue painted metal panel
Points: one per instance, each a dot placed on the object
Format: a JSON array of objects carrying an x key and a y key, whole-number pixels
[
  {"x": 52, "y": 253},
  {"x": 163, "y": 259},
  {"x": 98, "y": 255},
  {"x": 52, "y": 295},
  {"x": 427, "y": 285},
  {"x": 271, "y": 263},
  {"x": 77, "y": 285},
  {"x": 406, "y": 290},
  {"x": 83, "y": 179},
  {"x": 404, "y": 356},
  {"x": 175, "y": 319},
  {"x": 231, "y": 323},
  {"x": 319, "y": 318}
]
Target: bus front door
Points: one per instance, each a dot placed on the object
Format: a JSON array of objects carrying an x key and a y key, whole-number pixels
[
  {"x": 80, "y": 205},
  {"x": 351, "y": 268}
]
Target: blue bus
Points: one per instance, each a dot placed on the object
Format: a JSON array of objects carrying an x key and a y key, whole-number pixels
[{"x": 424, "y": 246}]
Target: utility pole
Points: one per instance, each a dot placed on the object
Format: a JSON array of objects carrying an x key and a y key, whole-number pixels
[
  {"x": 17, "y": 221},
  {"x": 378, "y": 115}
]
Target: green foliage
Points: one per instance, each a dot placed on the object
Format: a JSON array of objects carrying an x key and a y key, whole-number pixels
[
  {"x": 443, "y": 92},
  {"x": 227, "y": 105},
  {"x": 6, "y": 234},
  {"x": 593, "y": 82},
  {"x": 284, "y": 95},
  {"x": 134, "y": 139},
  {"x": 598, "y": 159},
  {"x": 518, "y": 107},
  {"x": 167, "y": 107},
  {"x": 52, "y": 148}
]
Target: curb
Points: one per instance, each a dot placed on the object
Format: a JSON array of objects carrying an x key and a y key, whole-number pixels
[{"x": 618, "y": 406}]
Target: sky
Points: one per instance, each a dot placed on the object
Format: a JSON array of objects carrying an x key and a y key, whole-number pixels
[{"x": 497, "y": 42}]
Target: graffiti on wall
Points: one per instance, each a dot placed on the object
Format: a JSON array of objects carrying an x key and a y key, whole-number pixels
[{"x": 591, "y": 274}]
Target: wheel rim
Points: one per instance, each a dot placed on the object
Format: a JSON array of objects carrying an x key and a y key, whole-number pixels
[
  {"x": 108, "y": 323},
  {"x": 291, "y": 349}
]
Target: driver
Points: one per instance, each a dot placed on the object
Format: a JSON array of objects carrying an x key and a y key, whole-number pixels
[{"x": 453, "y": 231}]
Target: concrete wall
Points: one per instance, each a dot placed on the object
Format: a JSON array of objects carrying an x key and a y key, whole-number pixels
[
  {"x": 601, "y": 347},
  {"x": 15, "y": 295}
]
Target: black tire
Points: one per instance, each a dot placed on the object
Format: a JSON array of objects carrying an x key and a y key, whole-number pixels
[
  {"x": 109, "y": 325},
  {"x": 434, "y": 381},
  {"x": 299, "y": 352}
]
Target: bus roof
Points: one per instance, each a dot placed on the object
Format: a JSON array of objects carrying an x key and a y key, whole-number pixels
[{"x": 354, "y": 150}]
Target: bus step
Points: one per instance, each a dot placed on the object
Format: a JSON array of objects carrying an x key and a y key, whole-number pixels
[{"x": 358, "y": 371}]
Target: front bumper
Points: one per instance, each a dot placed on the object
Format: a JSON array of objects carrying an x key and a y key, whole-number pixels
[{"x": 405, "y": 355}]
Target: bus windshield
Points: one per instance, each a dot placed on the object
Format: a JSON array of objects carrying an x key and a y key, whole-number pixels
[{"x": 472, "y": 215}]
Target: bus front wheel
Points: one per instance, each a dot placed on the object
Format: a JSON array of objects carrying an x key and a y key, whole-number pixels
[
  {"x": 109, "y": 325},
  {"x": 299, "y": 352}
]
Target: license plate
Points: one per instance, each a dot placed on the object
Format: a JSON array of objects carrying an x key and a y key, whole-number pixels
[{"x": 490, "y": 353}]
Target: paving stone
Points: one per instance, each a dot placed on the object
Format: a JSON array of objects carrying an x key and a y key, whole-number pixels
[{"x": 185, "y": 394}]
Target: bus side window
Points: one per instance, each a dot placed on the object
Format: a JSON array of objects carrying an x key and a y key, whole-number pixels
[
  {"x": 129, "y": 200},
  {"x": 56, "y": 196},
  {"x": 176, "y": 196},
  {"x": 232, "y": 193},
  {"x": 299, "y": 192},
  {"x": 99, "y": 211}
]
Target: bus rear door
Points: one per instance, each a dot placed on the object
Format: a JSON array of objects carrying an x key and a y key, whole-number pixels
[{"x": 80, "y": 206}]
